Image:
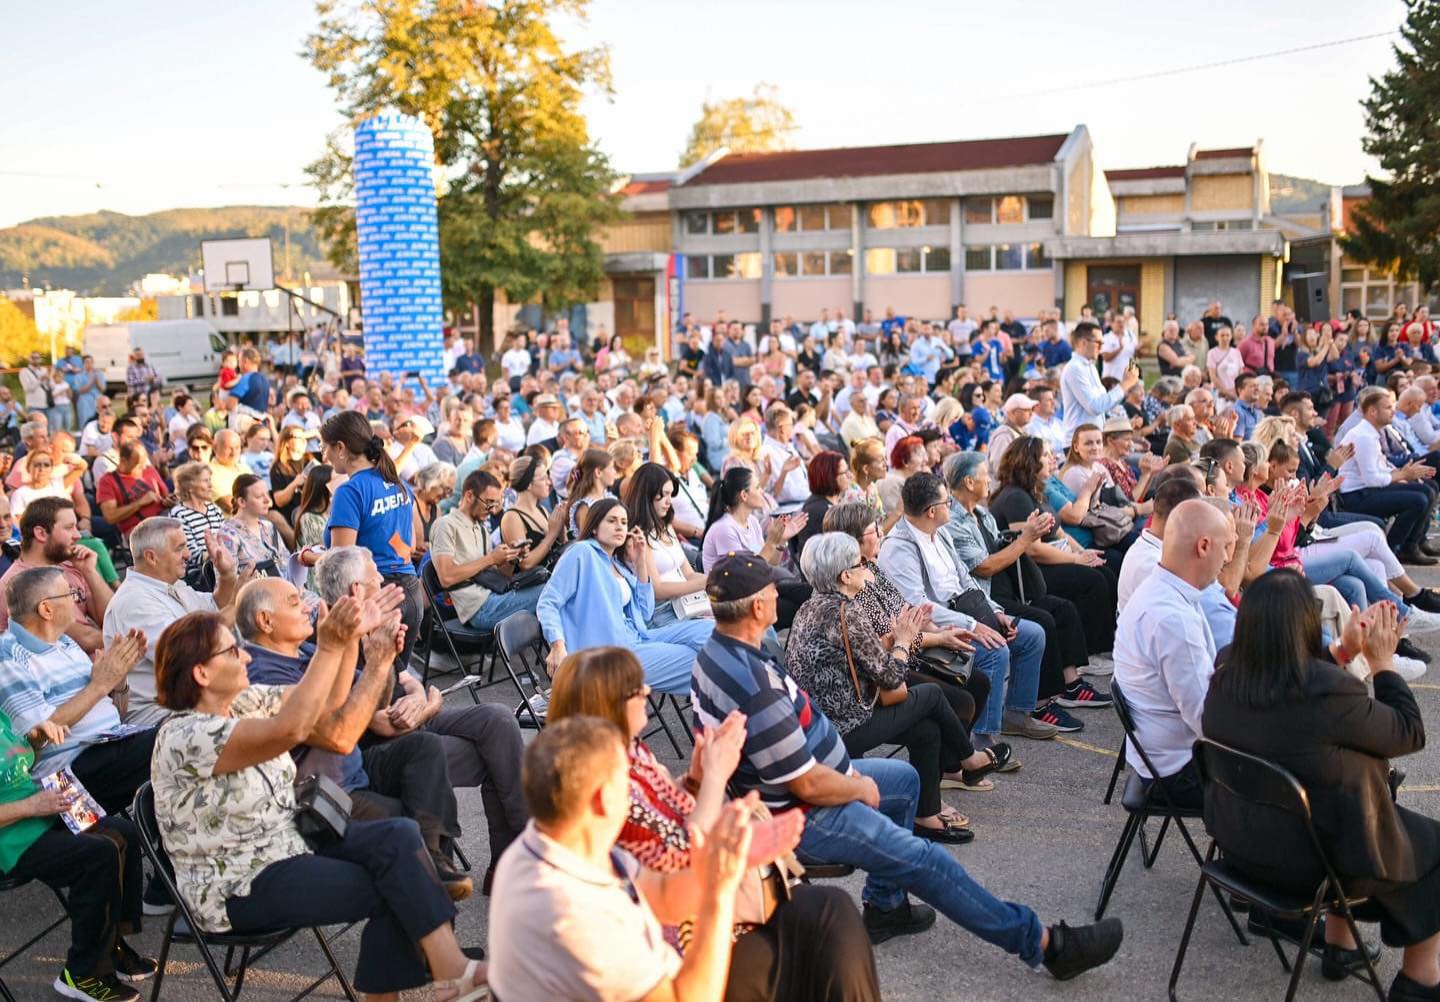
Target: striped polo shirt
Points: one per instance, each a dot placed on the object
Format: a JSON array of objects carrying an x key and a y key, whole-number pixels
[{"x": 785, "y": 733}]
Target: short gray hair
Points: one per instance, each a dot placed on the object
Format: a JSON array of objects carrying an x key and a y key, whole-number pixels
[
  {"x": 433, "y": 474},
  {"x": 340, "y": 569},
  {"x": 826, "y": 557},
  {"x": 151, "y": 535},
  {"x": 1167, "y": 386},
  {"x": 254, "y": 599},
  {"x": 30, "y": 429},
  {"x": 851, "y": 518},
  {"x": 26, "y": 590},
  {"x": 1179, "y": 412},
  {"x": 962, "y": 465}
]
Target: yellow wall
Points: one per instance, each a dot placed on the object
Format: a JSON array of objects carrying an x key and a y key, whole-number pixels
[
  {"x": 1214, "y": 192},
  {"x": 1152, "y": 300},
  {"x": 1144, "y": 205},
  {"x": 1075, "y": 187},
  {"x": 1075, "y": 278},
  {"x": 644, "y": 231},
  {"x": 1269, "y": 282}
]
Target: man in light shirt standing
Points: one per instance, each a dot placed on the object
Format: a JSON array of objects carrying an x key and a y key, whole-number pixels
[
  {"x": 1165, "y": 649},
  {"x": 1082, "y": 396},
  {"x": 1117, "y": 349}
]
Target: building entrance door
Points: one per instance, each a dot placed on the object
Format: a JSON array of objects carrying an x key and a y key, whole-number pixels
[
  {"x": 1113, "y": 288},
  {"x": 635, "y": 312}
]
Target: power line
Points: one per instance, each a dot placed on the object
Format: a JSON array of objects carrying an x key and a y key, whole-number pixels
[{"x": 1176, "y": 71}]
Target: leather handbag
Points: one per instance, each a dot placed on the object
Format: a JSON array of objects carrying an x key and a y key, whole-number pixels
[
  {"x": 498, "y": 584},
  {"x": 322, "y": 810},
  {"x": 1110, "y": 525},
  {"x": 764, "y": 888}
]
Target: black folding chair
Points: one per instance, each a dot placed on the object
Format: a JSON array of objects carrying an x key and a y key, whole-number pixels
[
  {"x": 14, "y": 883},
  {"x": 1115, "y": 773},
  {"x": 182, "y": 927},
  {"x": 1270, "y": 791},
  {"x": 521, "y": 649},
  {"x": 442, "y": 621},
  {"x": 1142, "y": 801}
]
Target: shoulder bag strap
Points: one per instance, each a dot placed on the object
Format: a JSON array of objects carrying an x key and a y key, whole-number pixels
[
  {"x": 924, "y": 574},
  {"x": 849, "y": 658}
]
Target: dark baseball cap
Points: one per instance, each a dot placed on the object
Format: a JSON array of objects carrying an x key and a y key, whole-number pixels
[{"x": 739, "y": 575}]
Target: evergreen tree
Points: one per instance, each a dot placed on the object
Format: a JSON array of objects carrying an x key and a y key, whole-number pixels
[{"x": 1399, "y": 227}]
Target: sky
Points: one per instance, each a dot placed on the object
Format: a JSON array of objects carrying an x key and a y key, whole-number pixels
[{"x": 147, "y": 105}]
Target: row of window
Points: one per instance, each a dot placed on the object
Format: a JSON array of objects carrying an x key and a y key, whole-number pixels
[
  {"x": 878, "y": 261},
  {"x": 892, "y": 215}
]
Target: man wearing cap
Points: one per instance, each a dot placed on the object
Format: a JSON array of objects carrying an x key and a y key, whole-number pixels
[
  {"x": 1018, "y": 410},
  {"x": 546, "y": 425},
  {"x": 860, "y": 812}
]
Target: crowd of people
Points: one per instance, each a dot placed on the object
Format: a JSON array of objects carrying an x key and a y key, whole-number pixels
[{"x": 826, "y": 539}]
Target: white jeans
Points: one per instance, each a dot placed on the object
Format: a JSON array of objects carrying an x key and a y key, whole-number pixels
[{"x": 1367, "y": 540}]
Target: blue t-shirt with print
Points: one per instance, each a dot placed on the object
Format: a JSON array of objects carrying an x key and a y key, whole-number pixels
[{"x": 381, "y": 513}]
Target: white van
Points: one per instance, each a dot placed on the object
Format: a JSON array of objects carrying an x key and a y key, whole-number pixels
[{"x": 184, "y": 352}]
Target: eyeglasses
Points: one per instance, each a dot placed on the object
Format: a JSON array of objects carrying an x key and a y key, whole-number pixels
[
  {"x": 643, "y": 691},
  {"x": 233, "y": 648},
  {"x": 74, "y": 593}
]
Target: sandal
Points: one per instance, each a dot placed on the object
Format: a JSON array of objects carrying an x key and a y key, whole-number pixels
[
  {"x": 1000, "y": 758},
  {"x": 954, "y": 820},
  {"x": 966, "y": 782},
  {"x": 469, "y": 987}
]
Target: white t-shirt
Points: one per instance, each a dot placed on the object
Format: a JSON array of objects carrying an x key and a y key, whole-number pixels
[
  {"x": 1115, "y": 368},
  {"x": 515, "y": 362},
  {"x": 93, "y": 438},
  {"x": 420, "y": 457}
]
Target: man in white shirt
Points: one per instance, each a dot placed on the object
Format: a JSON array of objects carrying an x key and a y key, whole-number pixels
[
  {"x": 844, "y": 325},
  {"x": 1414, "y": 409},
  {"x": 546, "y": 425},
  {"x": 909, "y": 421},
  {"x": 842, "y": 399},
  {"x": 820, "y": 329},
  {"x": 408, "y": 447},
  {"x": 1045, "y": 424},
  {"x": 960, "y": 330},
  {"x": 1164, "y": 648},
  {"x": 302, "y": 415},
  {"x": 1372, "y": 485},
  {"x": 1117, "y": 349},
  {"x": 574, "y": 440},
  {"x": 1082, "y": 396},
  {"x": 791, "y": 485},
  {"x": 96, "y": 437},
  {"x": 516, "y": 361}
]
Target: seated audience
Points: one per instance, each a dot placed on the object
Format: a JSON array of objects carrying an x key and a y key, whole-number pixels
[
  {"x": 527, "y": 523},
  {"x": 590, "y": 481},
  {"x": 602, "y": 594},
  {"x": 808, "y": 945},
  {"x": 196, "y": 510},
  {"x": 793, "y": 757},
  {"x": 462, "y": 552},
  {"x": 50, "y": 537},
  {"x": 736, "y": 524},
  {"x": 225, "y": 801},
  {"x": 649, "y": 498},
  {"x": 132, "y": 491},
  {"x": 250, "y": 535},
  {"x": 1370, "y": 484}
]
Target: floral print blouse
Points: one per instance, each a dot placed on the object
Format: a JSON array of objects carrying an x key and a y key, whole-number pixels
[
  {"x": 815, "y": 658},
  {"x": 221, "y": 831}
]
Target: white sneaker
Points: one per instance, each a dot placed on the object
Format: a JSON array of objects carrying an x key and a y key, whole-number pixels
[
  {"x": 1421, "y": 621},
  {"x": 1409, "y": 668},
  {"x": 1100, "y": 665}
]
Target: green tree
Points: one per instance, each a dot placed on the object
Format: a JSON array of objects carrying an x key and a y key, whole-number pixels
[
  {"x": 755, "y": 124},
  {"x": 528, "y": 190},
  {"x": 1399, "y": 226}
]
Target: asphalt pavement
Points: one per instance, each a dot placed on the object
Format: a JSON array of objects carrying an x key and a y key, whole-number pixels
[{"x": 1043, "y": 838}]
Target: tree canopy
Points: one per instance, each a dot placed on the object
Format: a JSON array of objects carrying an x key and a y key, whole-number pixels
[
  {"x": 1399, "y": 226},
  {"x": 755, "y": 124},
  {"x": 527, "y": 190}
]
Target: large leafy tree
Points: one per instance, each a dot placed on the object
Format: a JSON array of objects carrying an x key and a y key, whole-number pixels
[
  {"x": 1399, "y": 226},
  {"x": 527, "y": 190},
  {"x": 755, "y": 124}
]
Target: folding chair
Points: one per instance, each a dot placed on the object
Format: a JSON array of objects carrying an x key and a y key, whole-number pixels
[
  {"x": 442, "y": 620},
  {"x": 14, "y": 883},
  {"x": 182, "y": 927},
  {"x": 521, "y": 649},
  {"x": 1115, "y": 773},
  {"x": 1266, "y": 789},
  {"x": 1143, "y": 801}
]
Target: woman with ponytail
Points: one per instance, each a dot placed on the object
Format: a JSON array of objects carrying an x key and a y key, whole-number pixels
[
  {"x": 374, "y": 510},
  {"x": 589, "y": 481},
  {"x": 736, "y": 524}
]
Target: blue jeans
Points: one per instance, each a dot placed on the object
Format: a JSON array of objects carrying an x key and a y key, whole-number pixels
[
  {"x": 668, "y": 654},
  {"x": 497, "y": 607},
  {"x": 895, "y": 860},
  {"x": 1020, "y": 663},
  {"x": 1351, "y": 576}
]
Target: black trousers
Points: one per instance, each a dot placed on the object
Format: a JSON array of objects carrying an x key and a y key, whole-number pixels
[
  {"x": 793, "y": 594},
  {"x": 101, "y": 870},
  {"x": 1095, "y": 591},
  {"x": 928, "y": 729},
  {"x": 411, "y": 613},
  {"x": 813, "y": 949},
  {"x": 967, "y": 699},
  {"x": 482, "y": 747},
  {"x": 1065, "y": 641},
  {"x": 113, "y": 770},
  {"x": 378, "y": 871},
  {"x": 410, "y": 773}
]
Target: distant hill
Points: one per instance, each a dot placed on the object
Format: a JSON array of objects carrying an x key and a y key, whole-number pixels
[
  {"x": 104, "y": 252},
  {"x": 1296, "y": 194}
]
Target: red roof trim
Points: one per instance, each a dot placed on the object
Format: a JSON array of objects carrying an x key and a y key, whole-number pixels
[
  {"x": 1240, "y": 151},
  {"x": 1143, "y": 173}
]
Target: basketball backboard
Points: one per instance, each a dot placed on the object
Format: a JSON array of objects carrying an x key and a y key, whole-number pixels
[{"x": 232, "y": 265}]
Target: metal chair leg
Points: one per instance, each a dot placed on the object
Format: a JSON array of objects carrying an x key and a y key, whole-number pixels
[
  {"x": 1150, "y": 857},
  {"x": 1115, "y": 773},
  {"x": 335, "y": 967},
  {"x": 1305, "y": 942},
  {"x": 1117, "y": 863},
  {"x": 1185, "y": 936}
]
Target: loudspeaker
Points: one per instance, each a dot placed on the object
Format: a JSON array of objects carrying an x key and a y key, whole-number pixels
[{"x": 1312, "y": 297}]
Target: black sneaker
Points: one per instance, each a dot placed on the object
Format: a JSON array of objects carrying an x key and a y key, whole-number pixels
[
  {"x": 130, "y": 967},
  {"x": 1407, "y": 649},
  {"x": 1080, "y": 694},
  {"x": 1075, "y": 949},
  {"x": 1057, "y": 718},
  {"x": 156, "y": 899},
  {"x": 906, "y": 920},
  {"x": 1403, "y": 989},
  {"x": 106, "y": 988}
]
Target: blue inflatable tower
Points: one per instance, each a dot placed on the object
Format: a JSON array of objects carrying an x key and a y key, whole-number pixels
[{"x": 398, "y": 234}]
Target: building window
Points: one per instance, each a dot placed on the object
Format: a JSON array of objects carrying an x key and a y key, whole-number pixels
[
  {"x": 784, "y": 219},
  {"x": 722, "y": 223},
  {"x": 697, "y": 266},
  {"x": 785, "y": 265},
  {"x": 908, "y": 213},
  {"x": 841, "y": 262},
  {"x": 1040, "y": 207},
  {"x": 978, "y": 259},
  {"x": 697, "y": 223},
  {"x": 880, "y": 261},
  {"x": 1009, "y": 257},
  {"x": 723, "y": 266},
  {"x": 1035, "y": 258},
  {"x": 937, "y": 211},
  {"x": 937, "y": 259},
  {"x": 907, "y": 260},
  {"x": 979, "y": 210},
  {"x": 749, "y": 220},
  {"x": 1221, "y": 225},
  {"x": 1010, "y": 209},
  {"x": 812, "y": 263}
]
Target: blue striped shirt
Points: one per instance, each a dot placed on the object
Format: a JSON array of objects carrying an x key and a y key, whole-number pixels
[
  {"x": 36, "y": 679},
  {"x": 786, "y": 735}
]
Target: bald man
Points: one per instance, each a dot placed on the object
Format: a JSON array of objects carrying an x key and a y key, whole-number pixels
[{"x": 1165, "y": 650}]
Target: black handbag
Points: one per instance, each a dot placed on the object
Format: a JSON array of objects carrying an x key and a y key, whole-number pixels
[
  {"x": 322, "y": 811},
  {"x": 498, "y": 584}
]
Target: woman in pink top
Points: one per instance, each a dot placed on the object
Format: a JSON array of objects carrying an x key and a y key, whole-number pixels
[{"x": 1224, "y": 362}]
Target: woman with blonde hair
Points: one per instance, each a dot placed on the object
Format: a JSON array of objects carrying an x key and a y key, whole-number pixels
[
  {"x": 747, "y": 450},
  {"x": 946, "y": 413},
  {"x": 1274, "y": 429},
  {"x": 868, "y": 466}
]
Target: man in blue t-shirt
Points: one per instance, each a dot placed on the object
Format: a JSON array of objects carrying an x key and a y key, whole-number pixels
[
  {"x": 987, "y": 346},
  {"x": 861, "y": 811},
  {"x": 252, "y": 390}
]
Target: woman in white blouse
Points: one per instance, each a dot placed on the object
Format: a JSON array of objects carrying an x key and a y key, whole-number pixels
[
  {"x": 649, "y": 498},
  {"x": 509, "y": 429}
]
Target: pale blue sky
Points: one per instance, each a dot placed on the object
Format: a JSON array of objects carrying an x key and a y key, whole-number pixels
[{"x": 146, "y": 104}]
